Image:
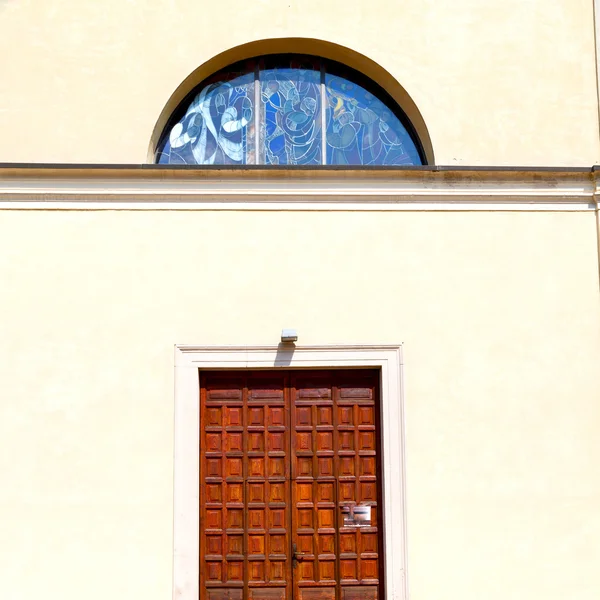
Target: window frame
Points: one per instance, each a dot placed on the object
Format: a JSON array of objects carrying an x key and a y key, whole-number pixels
[{"x": 189, "y": 360}]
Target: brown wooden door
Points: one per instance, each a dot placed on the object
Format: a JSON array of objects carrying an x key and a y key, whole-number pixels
[{"x": 281, "y": 454}]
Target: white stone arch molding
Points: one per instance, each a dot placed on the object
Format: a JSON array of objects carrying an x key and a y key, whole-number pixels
[{"x": 190, "y": 359}]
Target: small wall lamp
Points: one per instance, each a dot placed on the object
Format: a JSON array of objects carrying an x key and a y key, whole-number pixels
[{"x": 289, "y": 335}]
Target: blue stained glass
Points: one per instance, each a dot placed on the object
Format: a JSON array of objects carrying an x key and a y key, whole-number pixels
[
  {"x": 291, "y": 122},
  {"x": 217, "y": 128},
  {"x": 288, "y": 110},
  {"x": 362, "y": 130}
]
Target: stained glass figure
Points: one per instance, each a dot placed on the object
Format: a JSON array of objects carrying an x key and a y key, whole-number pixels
[
  {"x": 288, "y": 110},
  {"x": 218, "y": 126},
  {"x": 291, "y": 123},
  {"x": 362, "y": 130}
]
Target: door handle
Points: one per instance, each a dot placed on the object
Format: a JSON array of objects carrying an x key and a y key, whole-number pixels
[{"x": 296, "y": 556}]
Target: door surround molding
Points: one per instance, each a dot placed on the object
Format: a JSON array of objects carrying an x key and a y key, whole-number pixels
[{"x": 186, "y": 522}]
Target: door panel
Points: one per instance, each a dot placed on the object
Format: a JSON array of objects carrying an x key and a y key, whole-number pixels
[
  {"x": 281, "y": 454},
  {"x": 334, "y": 465},
  {"x": 357, "y": 457},
  {"x": 313, "y": 486},
  {"x": 244, "y": 487}
]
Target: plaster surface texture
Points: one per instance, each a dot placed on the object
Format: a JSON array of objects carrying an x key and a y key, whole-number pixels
[
  {"x": 498, "y": 313},
  {"x": 501, "y": 82}
]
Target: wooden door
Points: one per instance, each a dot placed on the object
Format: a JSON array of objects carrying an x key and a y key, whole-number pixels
[
  {"x": 244, "y": 487},
  {"x": 334, "y": 465},
  {"x": 281, "y": 454}
]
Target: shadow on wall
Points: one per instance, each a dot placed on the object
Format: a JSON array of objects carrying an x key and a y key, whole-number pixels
[
  {"x": 285, "y": 353},
  {"x": 323, "y": 49}
]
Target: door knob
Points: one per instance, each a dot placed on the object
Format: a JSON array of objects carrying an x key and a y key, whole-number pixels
[{"x": 296, "y": 556}]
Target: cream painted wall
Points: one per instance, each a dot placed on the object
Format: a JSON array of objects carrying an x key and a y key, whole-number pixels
[
  {"x": 499, "y": 316},
  {"x": 500, "y": 82}
]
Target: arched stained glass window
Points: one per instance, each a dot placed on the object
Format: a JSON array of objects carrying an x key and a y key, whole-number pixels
[{"x": 289, "y": 110}]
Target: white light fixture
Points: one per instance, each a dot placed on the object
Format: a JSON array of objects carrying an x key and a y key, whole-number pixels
[{"x": 289, "y": 335}]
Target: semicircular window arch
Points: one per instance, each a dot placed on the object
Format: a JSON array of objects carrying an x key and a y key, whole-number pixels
[{"x": 289, "y": 110}]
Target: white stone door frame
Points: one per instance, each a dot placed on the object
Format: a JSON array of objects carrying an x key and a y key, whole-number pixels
[{"x": 190, "y": 359}]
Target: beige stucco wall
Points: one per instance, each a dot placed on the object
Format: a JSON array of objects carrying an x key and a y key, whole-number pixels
[
  {"x": 500, "y": 82},
  {"x": 499, "y": 316}
]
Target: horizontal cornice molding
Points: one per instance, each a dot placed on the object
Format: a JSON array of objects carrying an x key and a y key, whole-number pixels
[{"x": 153, "y": 187}]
